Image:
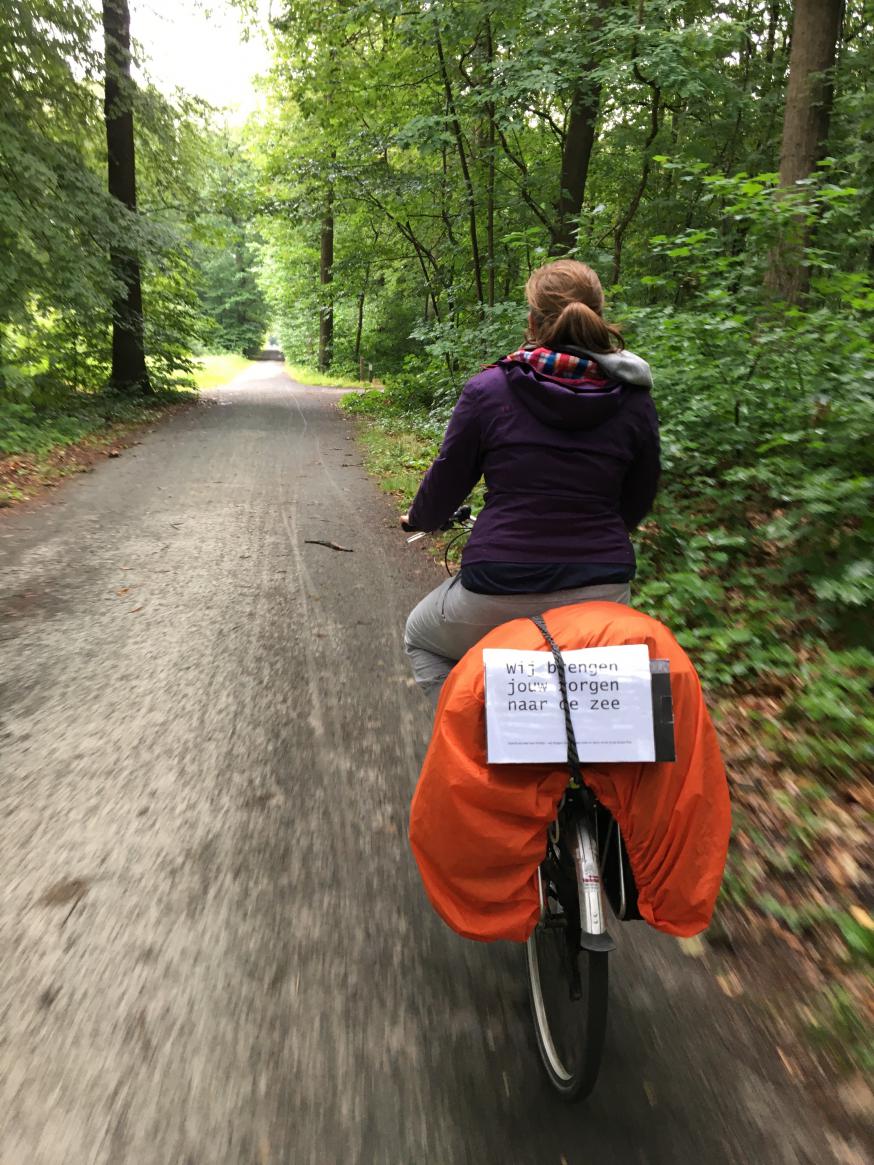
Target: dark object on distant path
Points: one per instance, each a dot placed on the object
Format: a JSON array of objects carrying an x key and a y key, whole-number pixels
[
  {"x": 265, "y": 354},
  {"x": 330, "y": 545}
]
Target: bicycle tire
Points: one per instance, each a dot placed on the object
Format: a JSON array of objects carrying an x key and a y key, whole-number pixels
[{"x": 570, "y": 1033}]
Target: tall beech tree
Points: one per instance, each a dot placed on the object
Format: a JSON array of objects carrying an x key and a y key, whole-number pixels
[
  {"x": 809, "y": 97},
  {"x": 810, "y": 90},
  {"x": 129, "y": 372}
]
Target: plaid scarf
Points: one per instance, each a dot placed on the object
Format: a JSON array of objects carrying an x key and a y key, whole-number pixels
[{"x": 563, "y": 366}]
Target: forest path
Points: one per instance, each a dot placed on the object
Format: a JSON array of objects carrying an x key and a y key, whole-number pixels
[{"x": 214, "y": 948}]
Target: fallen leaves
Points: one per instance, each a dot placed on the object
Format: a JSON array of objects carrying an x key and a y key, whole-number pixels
[
  {"x": 794, "y": 893},
  {"x": 857, "y": 1097},
  {"x": 730, "y": 985},
  {"x": 862, "y": 916},
  {"x": 693, "y": 948}
]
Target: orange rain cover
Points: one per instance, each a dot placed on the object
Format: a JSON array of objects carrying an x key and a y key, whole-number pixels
[{"x": 478, "y": 831}]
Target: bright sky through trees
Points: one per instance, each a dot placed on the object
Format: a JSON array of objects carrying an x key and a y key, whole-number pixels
[{"x": 198, "y": 45}]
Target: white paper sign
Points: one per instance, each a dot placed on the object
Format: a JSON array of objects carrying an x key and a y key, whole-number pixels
[{"x": 609, "y": 694}]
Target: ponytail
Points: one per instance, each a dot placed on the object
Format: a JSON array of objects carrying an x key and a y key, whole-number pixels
[
  {"x": 566, "y": 301},
  {"x": 580, "y": 327}
]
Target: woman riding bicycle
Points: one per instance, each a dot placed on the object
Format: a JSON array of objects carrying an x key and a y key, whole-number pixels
[{"x": 566, "y": 435}]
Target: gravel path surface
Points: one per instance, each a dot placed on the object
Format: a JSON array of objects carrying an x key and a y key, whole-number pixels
[{"x": 214, "y": 949}]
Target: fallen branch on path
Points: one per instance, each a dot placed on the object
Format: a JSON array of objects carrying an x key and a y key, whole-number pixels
[{"x": 330, "y": 545}]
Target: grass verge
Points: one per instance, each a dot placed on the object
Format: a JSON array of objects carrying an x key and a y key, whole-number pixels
[
  {"x": 316, "y": 379},
  {"x": 216, "y": 369}
]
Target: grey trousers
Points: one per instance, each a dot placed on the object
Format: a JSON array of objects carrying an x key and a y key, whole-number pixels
[{"x": 450, "y": 620}]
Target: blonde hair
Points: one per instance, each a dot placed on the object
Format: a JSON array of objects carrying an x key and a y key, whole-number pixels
[{"x": 566, "y": 301}]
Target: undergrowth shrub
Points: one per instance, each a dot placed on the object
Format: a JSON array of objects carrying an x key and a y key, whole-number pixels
[
  {"x": 827, "y": 723},
  {"x": 28, "y": 428}
]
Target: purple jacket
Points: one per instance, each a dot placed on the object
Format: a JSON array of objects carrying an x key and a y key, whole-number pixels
[{"x": 569, "y": 470}]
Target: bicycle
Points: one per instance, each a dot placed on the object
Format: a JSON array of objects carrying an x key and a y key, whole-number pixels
[{"x": 567, "y": 953}]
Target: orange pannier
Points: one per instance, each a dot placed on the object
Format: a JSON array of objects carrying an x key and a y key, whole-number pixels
[{"x": 478, "y": 831}]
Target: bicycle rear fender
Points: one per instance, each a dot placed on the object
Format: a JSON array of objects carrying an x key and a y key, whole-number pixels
[{"x": 593, "y": 914}]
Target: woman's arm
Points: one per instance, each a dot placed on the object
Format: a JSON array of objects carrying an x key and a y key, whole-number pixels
[
  {"x": 456, "y": 469},
  {"x": 642, "y": 479}
]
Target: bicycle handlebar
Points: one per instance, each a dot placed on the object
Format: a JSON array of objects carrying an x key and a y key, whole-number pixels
[{"x": 463, "y": 515}]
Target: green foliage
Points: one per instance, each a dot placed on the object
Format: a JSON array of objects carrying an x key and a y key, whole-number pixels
[
  {"x": 56, "y": 220},
  {"x": 28, "y": 429},
  {"x": 25, "y": 429},
  {"x": 228, "y": 251},
  {"x": 232, "y": 299},
  {"x": 827, "y": 723},
  {"x": 58, "y": 226},
  {"x": 840, "y": 1027},
  {"x": 311, "y": 376},
  {"x": 761, "y": 539},
  {"x": 395, "y": 455},
  {"x": 858, "y": 937}
]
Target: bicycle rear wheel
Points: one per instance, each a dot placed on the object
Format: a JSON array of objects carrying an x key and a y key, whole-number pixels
[
  {"x": 570, "y": 1032},
  {"x": 568, "y": 990}
]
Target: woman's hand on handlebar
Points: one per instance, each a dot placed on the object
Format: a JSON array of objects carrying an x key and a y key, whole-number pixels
[{"x": 462, "y": 517}]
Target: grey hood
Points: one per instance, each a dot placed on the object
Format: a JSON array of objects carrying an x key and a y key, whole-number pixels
[{"x": 623, "y": 366}]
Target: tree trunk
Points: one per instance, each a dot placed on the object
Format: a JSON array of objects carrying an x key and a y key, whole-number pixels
[
  {"x": 465, "y": 170},
  {"x": 815, "y": 33},
  {"x": 326, "y": 277},
  {"x": 809, "y": 93},
  {"x": 575, "y": 157},
  {"x": 129, "y": 371},
  {"x": 577, "y": 150},
  {"x": 359, "y": 323}
]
